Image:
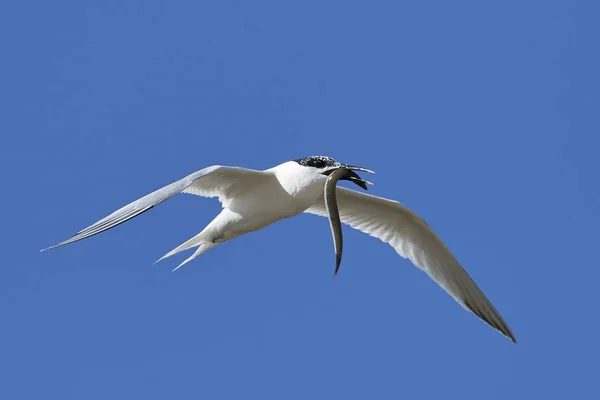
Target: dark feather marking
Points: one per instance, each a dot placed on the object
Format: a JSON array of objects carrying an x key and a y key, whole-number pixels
[{"x": 317, "y": 162}]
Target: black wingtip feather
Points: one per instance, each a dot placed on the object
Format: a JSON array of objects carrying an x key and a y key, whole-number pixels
[{"x": 500, "y": 327}]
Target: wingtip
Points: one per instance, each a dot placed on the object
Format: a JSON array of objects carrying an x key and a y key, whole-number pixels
[
  {"x": 60, "y": 244},
  {"x": 496, "y": 323},
  {"x": 509, "y": 336},
  {"x": 507, "y": 332},
  {"x": 49, "y": 248}
]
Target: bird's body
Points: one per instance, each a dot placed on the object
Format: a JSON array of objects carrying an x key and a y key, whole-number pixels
[
  {"x": 253, "y": 200},
  {"x": 261, "y": 199}
]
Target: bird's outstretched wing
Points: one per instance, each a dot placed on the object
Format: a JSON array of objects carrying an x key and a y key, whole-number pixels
[
  {"x": 412, "y": 238},
  {"x": 215, "y": 181}
]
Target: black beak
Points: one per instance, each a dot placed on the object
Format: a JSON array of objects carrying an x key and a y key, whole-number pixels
[{"x": 351, "y": 175}]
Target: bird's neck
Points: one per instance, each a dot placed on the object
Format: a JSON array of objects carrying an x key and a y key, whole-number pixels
[{"x": 300, "y": 182}]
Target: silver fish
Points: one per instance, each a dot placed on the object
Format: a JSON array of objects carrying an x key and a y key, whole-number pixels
[{"x": 333, "y": 211}]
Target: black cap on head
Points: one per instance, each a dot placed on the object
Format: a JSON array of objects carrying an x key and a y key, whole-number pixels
[
  {"x": 317, "y": 162},
  {"x": 321, "y": 162}
]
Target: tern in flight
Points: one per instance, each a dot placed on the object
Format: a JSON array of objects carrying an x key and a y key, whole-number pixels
[{"x": 253, "y": 199}]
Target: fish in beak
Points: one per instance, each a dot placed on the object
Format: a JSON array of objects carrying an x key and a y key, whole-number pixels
[
  {"x": 343, "y": 172},
  {"x": 350, "y": 175}
]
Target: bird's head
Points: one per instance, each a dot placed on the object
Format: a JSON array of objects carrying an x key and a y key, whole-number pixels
[{"x": 326, "y": 165}]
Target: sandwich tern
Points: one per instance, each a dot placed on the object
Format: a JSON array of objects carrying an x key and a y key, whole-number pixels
[{"x": 253, "y": 199}]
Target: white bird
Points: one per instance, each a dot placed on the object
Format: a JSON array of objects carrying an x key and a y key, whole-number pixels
[{"x": 253, "y": 199}]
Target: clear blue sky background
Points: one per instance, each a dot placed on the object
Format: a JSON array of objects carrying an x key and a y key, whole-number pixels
[{"x": 483, "y": 118}]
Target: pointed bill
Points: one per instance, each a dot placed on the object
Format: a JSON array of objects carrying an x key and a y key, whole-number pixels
[{"x": 357, "y": 168}]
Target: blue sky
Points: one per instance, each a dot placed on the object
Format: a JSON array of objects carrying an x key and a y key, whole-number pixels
[{"x": 483, "y": 118}]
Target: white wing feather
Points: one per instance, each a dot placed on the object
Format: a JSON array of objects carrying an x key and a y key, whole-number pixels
[
  {"x": 216, "y": 181},
  {"x": 412, "y": 238}
]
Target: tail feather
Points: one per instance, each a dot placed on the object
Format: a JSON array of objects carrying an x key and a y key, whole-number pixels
[
  {"x": 200, "y": 250},
  {"x": 193, "y": 242}
]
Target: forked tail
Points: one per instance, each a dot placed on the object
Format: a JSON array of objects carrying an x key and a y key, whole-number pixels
[
  {"x": 205, "y": 246},
  {"x": 198, "y": 240}
]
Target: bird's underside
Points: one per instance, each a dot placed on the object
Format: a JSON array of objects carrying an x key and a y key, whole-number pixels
[{"x": 254, "y": 199}]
